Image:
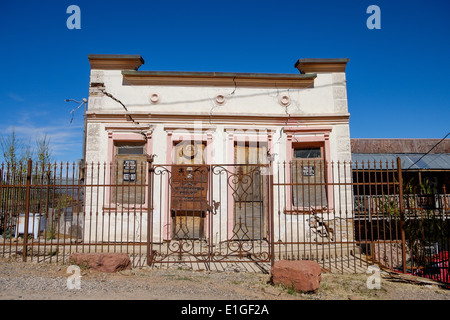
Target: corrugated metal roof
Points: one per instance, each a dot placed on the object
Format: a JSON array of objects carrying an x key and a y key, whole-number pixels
[
  {"x": 406, "y": 146},
  {"x": 389, "y": 160}
]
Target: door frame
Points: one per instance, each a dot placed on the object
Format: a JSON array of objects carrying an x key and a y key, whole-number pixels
[
  {"x": 174, "y": 137},
  {"x": 258, "y": 135}
]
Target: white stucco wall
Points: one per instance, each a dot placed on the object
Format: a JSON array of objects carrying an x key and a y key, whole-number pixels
[{"x": 313, "y": 107}]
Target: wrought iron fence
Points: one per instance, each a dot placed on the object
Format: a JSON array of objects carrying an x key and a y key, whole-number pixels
[
  {"x": 345, "y": 216},
  {"x": 210, "y": 214}
]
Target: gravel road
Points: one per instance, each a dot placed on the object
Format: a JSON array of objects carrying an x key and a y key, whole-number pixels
[{"x": 31, "y": 281}]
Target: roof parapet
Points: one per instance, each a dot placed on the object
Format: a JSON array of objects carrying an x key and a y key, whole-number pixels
[
  {"x": 222, "y": 79},
  {"x": 115, "y": 61},
  {"x": 309, "y": 65}
]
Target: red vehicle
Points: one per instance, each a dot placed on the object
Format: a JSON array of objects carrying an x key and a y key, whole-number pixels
[{"x": 437, "y": 268}]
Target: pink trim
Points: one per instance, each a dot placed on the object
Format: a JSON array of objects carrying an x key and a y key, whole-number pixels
[
  {"x": 232, "y": 138},
  {"x": 299, "y": 134},
  {"x": 172, "y": 138},
  {"x": 209, "y": 159},
  {"x": 308, "y": 130},
  {"x": 114, "y": 137},
  {"x": 230, "y": 201}
]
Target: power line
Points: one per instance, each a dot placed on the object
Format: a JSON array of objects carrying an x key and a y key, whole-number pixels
[{"x": 429, "y": 150}]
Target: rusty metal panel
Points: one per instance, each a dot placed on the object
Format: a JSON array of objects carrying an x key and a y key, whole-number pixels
[
  {"x": 399, "y": 146},
  {"x": 189, "y": 187}
]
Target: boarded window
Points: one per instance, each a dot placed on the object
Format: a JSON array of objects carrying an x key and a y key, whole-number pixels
[
  {"x": 307, "y": 153},
  {"x": 129, "y": 173},
  {"x": 130, "y": 150},
  {"x": 308, "y": 178}
]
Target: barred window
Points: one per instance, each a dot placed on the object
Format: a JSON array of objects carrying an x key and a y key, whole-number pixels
[
  {"x": 129, "y": 173},
  {"x": 308, "y": 177}
]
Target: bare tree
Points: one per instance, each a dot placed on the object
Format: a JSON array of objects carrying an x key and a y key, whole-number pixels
[
  {"x": 15, "y": 150},
  {"x": 43, "y": 150},
  {"x": 12, "y": 148}
]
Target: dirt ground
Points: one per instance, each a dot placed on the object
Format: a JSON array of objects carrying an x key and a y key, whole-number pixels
[{"x": 43, "y": 281}]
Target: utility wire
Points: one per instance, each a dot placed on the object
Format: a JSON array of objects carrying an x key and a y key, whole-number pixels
[
  {"x": 429, "y": 150},
  {"x": 73, "y": 110}
]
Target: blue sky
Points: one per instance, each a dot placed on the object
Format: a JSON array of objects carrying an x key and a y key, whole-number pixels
[{"x": 397, "y": 77}]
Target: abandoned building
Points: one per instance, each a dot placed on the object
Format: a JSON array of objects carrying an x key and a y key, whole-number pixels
[
  {"x": 215, "y": 170},
  {"x": 211, "y": 139}
]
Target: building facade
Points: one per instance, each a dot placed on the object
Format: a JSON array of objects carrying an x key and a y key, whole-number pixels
[{"x": 236, "y": 126}]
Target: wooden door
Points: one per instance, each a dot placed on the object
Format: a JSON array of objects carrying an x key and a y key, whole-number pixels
[
  {"x": 189, "y": 191},
  {"x": 250, "y": 187}
]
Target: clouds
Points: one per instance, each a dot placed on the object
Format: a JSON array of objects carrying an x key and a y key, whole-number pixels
[
  {"x": 65, "y": 140},
  {"x": 16, "y": 97},
  {"x": 34, "y": 114}
]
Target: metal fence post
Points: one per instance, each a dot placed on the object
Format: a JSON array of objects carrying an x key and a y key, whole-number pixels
[
  {"x": 151, "y": 170},
  {"x": 402, "y": 211},
  {"x": 27, "y": 210},
  {"x": 271, "y": 216},
  {"x": 444, "y": 200}
]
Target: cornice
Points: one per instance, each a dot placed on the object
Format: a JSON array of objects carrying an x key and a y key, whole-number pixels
[
  {"x": 321, "y": 65},
  {"x": 115, "y": 61},
  {"x": 181, "y": 119},
  {"x": 218, "y": 79}
]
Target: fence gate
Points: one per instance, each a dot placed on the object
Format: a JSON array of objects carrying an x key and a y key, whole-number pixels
[{"x": 209, "y": 214}]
